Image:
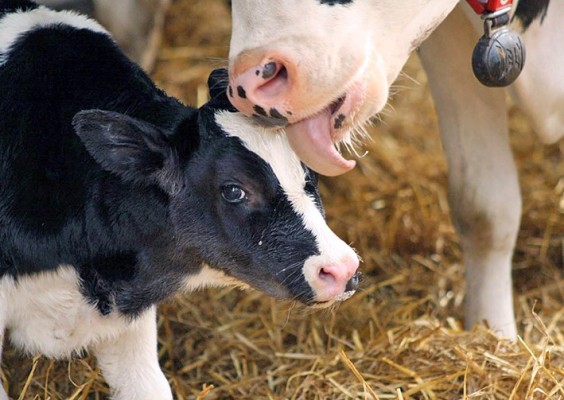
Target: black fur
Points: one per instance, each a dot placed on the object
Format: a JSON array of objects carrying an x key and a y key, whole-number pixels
[
  {"x": 529, "y": 10},
  {"x": 10, "y": 6},
  {"x": 101, "y": 170}
]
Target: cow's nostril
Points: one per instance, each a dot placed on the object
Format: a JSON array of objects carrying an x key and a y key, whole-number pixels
[
  {"x": 334, "y": 107},
  {"x": 353, "y": 283},
  {"x": 269, "y": 70},
  {"x": 275, "y": 82},
  {"x": 283, "y": 73}
]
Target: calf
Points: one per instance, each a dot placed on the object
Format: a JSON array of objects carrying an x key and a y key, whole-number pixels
[
  {"x": 325, "y": 67},
  {"x": 113, "y": 196}
]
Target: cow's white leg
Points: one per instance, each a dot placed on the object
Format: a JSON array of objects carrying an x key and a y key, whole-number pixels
[
  {"x": 483, "y": 187},
  {"x": 539, "y": 91},
  {"x": 136, "y": 25},
  {"x": 129, "y": 362}
]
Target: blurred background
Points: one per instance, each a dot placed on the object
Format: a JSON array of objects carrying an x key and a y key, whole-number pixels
[{"x": 400, "y": 336}]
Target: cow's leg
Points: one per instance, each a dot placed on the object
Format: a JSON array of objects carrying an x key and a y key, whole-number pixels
[
  {"x": 136, "y": 25},
  {"x": 483, "y": 187},
  {"x": 129, "y": 362},
  {"x": 539, "y": 91}
]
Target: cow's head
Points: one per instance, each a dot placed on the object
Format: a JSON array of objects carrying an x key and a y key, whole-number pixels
[
  {"x": 239, "y": 199},
  {"x": 323, "y": 66}
]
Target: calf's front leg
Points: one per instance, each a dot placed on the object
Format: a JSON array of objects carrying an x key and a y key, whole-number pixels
[
  {"x": 483, "y": 187},
  {"x": 129, "y": 362}
]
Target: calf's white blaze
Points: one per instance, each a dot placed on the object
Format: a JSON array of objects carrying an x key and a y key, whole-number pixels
[
  {"x": 273, "y": 147},
  {"x": 13, "y": 25}
]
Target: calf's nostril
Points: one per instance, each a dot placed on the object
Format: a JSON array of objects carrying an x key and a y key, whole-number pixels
[
  {"x": 325, "y": 275},
  {"x": 353, "y": 283}
]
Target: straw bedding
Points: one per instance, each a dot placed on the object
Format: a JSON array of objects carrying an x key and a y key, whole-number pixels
[{"x": 400, "y": 337}]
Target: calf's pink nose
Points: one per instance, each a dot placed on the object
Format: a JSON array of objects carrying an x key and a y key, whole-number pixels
[
  {"x": 339, "y": 275},
  {"x": 336, "y": 279}
]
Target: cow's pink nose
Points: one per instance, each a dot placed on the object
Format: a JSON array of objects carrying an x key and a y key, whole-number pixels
[{"x": 264, "y": 89}]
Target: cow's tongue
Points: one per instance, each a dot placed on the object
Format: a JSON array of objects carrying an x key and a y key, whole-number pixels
[{"x": 311, "y": 140}]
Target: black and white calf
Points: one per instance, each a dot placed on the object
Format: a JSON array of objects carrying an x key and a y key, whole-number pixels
[
  {"x": 113, "y": 196},
  {"x": 325, "y": 67}
]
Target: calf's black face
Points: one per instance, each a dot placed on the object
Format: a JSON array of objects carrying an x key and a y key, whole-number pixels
[{"x": 239, "y": 201}]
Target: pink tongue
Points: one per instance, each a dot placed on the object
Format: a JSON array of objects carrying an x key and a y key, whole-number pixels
[{"x": 311, "y": 140}]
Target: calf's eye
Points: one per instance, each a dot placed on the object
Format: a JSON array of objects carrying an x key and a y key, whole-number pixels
[{"x": 233, "y": 194}]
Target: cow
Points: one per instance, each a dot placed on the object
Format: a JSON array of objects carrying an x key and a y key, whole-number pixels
[
  {"x": 114, "y": 196},
  {"x": 323, "y": 68}
]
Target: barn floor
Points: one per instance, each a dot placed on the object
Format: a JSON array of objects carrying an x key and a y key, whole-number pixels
[{"x": 400, "y": 337}]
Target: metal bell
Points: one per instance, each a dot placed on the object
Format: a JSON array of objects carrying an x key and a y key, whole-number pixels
[{"x": 499, "y": 56}]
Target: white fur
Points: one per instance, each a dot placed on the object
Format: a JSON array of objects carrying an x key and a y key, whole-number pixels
[
  {"x": 47, "y": 314},
  {"x": 130, "y": 364},
  {"x": 273, "y": 147},
  {"x": 13, "y": 25}
]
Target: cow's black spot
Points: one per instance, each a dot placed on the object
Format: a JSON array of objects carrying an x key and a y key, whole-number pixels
[
  {"x": 269, "y": 122},
  {"x": 241, "y": 92},
  {"x": 230, "y": 91},
  {"x": 529, "y": 10},
  {"x": 269, "y": 70},
  {"x": 274, "y": 113},
  {"x": 339, "y": 121},
  {"x": 260, "y": 111},
  {"x": 257, "y": 72},
  {"x": 289, "y": 112},
  {"x": 334, "y": 2}
]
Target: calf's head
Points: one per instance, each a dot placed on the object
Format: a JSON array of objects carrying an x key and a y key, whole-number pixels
[
  {"x": 323, "y": 66},
  {"x": 238, "y": 199}
]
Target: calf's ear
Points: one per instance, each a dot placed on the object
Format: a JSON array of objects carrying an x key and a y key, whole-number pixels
[{"x": 133, "y": 149}]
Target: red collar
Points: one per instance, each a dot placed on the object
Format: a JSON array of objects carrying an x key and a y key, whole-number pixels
[{"x": 489, "y": 6}]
